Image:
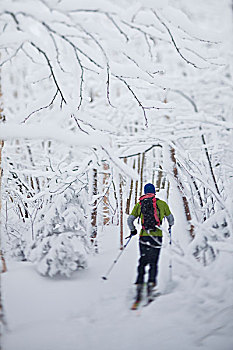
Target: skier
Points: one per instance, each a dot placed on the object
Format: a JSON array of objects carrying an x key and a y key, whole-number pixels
[{"x": 150, "y": 236}]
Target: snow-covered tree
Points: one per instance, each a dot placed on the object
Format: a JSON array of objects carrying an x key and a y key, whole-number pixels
[
  {"x": 109, "y": 95},
  {"x": 60, "y": 253}
]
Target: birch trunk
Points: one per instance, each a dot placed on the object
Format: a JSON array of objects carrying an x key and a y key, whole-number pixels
[
  {"x": 2, "y": 260},
  {"x": 127, "y": 211},
  {"x": 94, "y": 210},
  {"x": 2, "y": 119},
  {"x": 181, "y": 190},
  {"x": 141, "y": 173},
  {"x": 136, "y": 185},
  {"x": 121, "y": 213},
  {"x": 106, "y": 214}
]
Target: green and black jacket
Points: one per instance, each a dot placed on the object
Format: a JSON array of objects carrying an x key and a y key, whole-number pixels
[{"x": 163, "y": 212}]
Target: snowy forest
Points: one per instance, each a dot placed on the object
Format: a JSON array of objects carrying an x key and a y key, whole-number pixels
[{"x": 98, "y": 98}]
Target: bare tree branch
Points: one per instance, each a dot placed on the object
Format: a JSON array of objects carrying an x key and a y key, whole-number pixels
[
  {"x": 173, "y": 41},
  {"x": 147, "y": 150},
  {"x": 106, "y": 59},
  {"x": 136, "y": 98},
  {"x": 51, "y": 70},
  {"x": 12, "y": 56},
  {"x": 41, "y": 108}
]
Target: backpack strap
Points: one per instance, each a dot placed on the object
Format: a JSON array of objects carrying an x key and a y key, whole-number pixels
[{"x": 158, "y": 210}]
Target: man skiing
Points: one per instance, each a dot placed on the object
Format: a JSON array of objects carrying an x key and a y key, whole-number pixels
[{"x": 151, "y": 211}]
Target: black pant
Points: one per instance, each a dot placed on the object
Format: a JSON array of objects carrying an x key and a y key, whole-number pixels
[{"x": 148, "y": 255}]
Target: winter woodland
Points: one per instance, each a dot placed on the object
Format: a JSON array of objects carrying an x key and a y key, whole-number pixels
[{"x": 99, "y": 97}]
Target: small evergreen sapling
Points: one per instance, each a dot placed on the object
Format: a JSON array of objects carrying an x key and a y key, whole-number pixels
[
  {"x": 19, "y": 249},
  {"x": 60, "y": 253},
  {"x": 62, "y": 243}
]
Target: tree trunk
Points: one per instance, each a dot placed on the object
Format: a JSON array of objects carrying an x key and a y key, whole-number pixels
[
  {"x": 2, "y": 119},
  {"x": 127, "y": 210},
  {"x": 2, "y": 260},
  {"x": 168, "y": 189},
  {"x": 106, "y": 216},
  {"x": 159, "y": 178},
  {"x": 94, "y": 209},
  {"x": 121, "y": 214},
  {"x": 121, "y": 210},
  {"x": 136, "y": 185},
  {"x": 209, "y": 161},
  {"x": 117, "y": 204},
  {"x": 141, "y": 173},
  {"x": 181, "y": 190}
]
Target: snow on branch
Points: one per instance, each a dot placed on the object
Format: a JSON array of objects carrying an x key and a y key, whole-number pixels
[
  {"x": 49, "y": 131},
  {"x": 55, "y": 33},
  {"x": 124, "y": 168},
  {"x": 43, "y": 107},
  {"x": 52, "y": 72},
  {"x": 174, "y": 41}
]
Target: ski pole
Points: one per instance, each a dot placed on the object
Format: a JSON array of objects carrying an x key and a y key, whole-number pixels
[
  {"x": 170, "y": 244},
  {"x": 116, "y": 260}
]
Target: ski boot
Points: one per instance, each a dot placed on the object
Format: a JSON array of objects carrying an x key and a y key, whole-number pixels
[
  {"x": 150, "y": 289},
  {"x": 138, "y": 297}
]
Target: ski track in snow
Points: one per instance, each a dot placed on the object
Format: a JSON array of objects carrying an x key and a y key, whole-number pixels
[{"x": 85, "y": 312}]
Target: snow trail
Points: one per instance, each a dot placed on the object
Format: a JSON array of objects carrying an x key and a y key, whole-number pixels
[{"x": 85, "y": 312}]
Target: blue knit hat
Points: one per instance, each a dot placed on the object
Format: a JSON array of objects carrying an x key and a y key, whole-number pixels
[{"x": 149, "y": 188}]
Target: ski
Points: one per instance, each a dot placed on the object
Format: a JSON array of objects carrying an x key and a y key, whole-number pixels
[
  {"x": 135, "y": 305},
  {"x": 141, "y": 291},
  {"x": 151, "y": 298}
]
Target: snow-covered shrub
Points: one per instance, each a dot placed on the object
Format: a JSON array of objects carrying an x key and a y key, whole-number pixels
[
  {"x": 67, "y": 211},
  {"x": 61, "y": 245},
  {"x": 15, "y": 230},
  {"x": 18, "y": 249},
  {"x": 60, "y": 253}
]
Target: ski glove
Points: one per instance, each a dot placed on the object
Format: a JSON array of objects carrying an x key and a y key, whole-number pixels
[{"x": 133, "y": 233}]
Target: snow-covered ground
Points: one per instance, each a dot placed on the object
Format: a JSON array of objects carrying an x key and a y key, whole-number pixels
[{"x": 85, "y": 312}]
